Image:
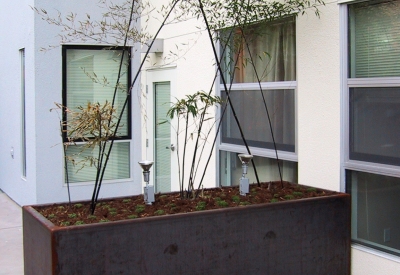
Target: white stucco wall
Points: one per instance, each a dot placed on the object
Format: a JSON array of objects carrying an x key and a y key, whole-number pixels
[
  {"x": 16, "y": 19},
  {"x": 188, "y": 49},
  {"x": 48, "y": 91},
  {"x": 318, "y": 93},
  {"x": 369, "y": 262},
  {"x": 45, "y": 176}
]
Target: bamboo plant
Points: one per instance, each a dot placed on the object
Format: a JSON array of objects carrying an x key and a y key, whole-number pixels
[{"x": 117, "y": 23}]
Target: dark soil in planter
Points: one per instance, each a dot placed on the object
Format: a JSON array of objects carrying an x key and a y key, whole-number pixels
[{"x": 167, "y": 204}]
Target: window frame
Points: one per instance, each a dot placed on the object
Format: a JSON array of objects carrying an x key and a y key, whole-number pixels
[
  {"x": 346, "y": 84},
  {"x": 128, "y": 108},
  {"x": 23, "y": 139},
  {"x": 257, "y": 151},
  {"x": 120, "y": 139}
]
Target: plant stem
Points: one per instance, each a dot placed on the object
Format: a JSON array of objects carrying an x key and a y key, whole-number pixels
[
  {"x": 128, "y": 96},
  {"x": 65, "y": 163},
  {"x": 179, "y": 166},
  {"x": 226, "y": 89},
  {"x": 184, "y": 149},
  {"x": 265, "y": 104},
  {"x": 100, "y": 167}
]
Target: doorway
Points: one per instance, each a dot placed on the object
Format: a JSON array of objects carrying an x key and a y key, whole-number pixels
[{"x": 161, "y": 137}]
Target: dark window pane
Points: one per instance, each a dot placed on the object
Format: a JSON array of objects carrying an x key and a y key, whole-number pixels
[
  {"x": 375, "y": 125},
  {"x": 251, "y": 112},
  {"x": 375, "y": 206}
]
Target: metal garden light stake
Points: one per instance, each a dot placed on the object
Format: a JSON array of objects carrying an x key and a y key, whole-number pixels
[
  {"x": 244, "y": 182},
  {"x": 148, "y": 189}
]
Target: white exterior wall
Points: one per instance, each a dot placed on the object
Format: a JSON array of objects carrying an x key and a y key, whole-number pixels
[
  {"x": 17, "y": 32},
  {"x": 45, "y": 175},
  {"x": 318, "y": 94},
  {"x": 368, "y": 262},
  {"x": 188, "y": 50}
]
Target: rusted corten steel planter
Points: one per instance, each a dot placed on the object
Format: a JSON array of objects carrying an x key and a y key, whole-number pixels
[{"x": 308, "y": 236}]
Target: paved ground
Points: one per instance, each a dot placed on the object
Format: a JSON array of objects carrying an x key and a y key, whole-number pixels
[{"x": 11, "y": 252}]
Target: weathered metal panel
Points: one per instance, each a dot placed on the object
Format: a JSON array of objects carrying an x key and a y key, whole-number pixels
[
  {"x": 310, "y": 236},
  {"x": 37, "y": 241}
]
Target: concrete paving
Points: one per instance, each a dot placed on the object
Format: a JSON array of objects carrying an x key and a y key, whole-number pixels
[{"x": 11, "y": 249}]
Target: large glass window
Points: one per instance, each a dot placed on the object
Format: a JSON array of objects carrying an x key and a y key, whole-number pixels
[
  {"x": 374, "y": 39},
  {"x": 250, "y": 110},
  {"x": 90, "y": 75},
  {"x": 259, "y": 65},
  {"x": 267, "y": 169},
  {"x": 23, "y": 113},
  {"x": 375, "y": 210},
  {"x": 372, "y": 158},
  {"x": 375, "y": 124},
  {"x": 265, "y": 51}
]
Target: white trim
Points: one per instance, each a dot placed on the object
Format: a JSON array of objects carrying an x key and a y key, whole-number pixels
[
  {"x": 292, "y": 85},
  {"x": 161, "y": 67},
  {"x": 376, "y": 252},
  {"x": 343, "y": 34},
  {"x": 374, "y": 168},
  {"x": 350, "y": 1},
  {"x": 91, "y": 183},
  {"x": 344, "y": 1},
  {"x": 267, "y": 153},
  {"x": 374, "y": 82}
]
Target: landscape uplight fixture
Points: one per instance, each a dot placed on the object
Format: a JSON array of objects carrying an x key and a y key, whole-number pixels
[
  {"x": 148, "y": 189},
  {"x": 244, "y": 182}
]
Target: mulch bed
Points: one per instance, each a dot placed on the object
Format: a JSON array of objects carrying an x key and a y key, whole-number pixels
[{"x": 133, "y": 207}]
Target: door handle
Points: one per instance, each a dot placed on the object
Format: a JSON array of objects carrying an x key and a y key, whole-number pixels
[{"x": 172, "y": 147}]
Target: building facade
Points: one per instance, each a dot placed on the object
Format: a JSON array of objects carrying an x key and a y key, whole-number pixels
[{"x": 332, "y": 84}]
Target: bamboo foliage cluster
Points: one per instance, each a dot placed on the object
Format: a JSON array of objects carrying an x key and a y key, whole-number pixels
[
  {"x": 192, "y": 108},
  {"x": 112, "y": 26},
  {"x": 93, "y": 127},
  {"x": 94, "y": 124},
  {"x": 221, "y": 14}
]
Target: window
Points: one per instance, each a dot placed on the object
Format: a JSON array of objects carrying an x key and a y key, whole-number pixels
[
  {"x": 90, "y": 75},
  {"x": 265, "y": 52},
  {"x": 267, "y": 169},
  {"x": 23, "y": 114},
  {"x": 375, "y": 205},
  {"x": 372, "y": 134}
]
